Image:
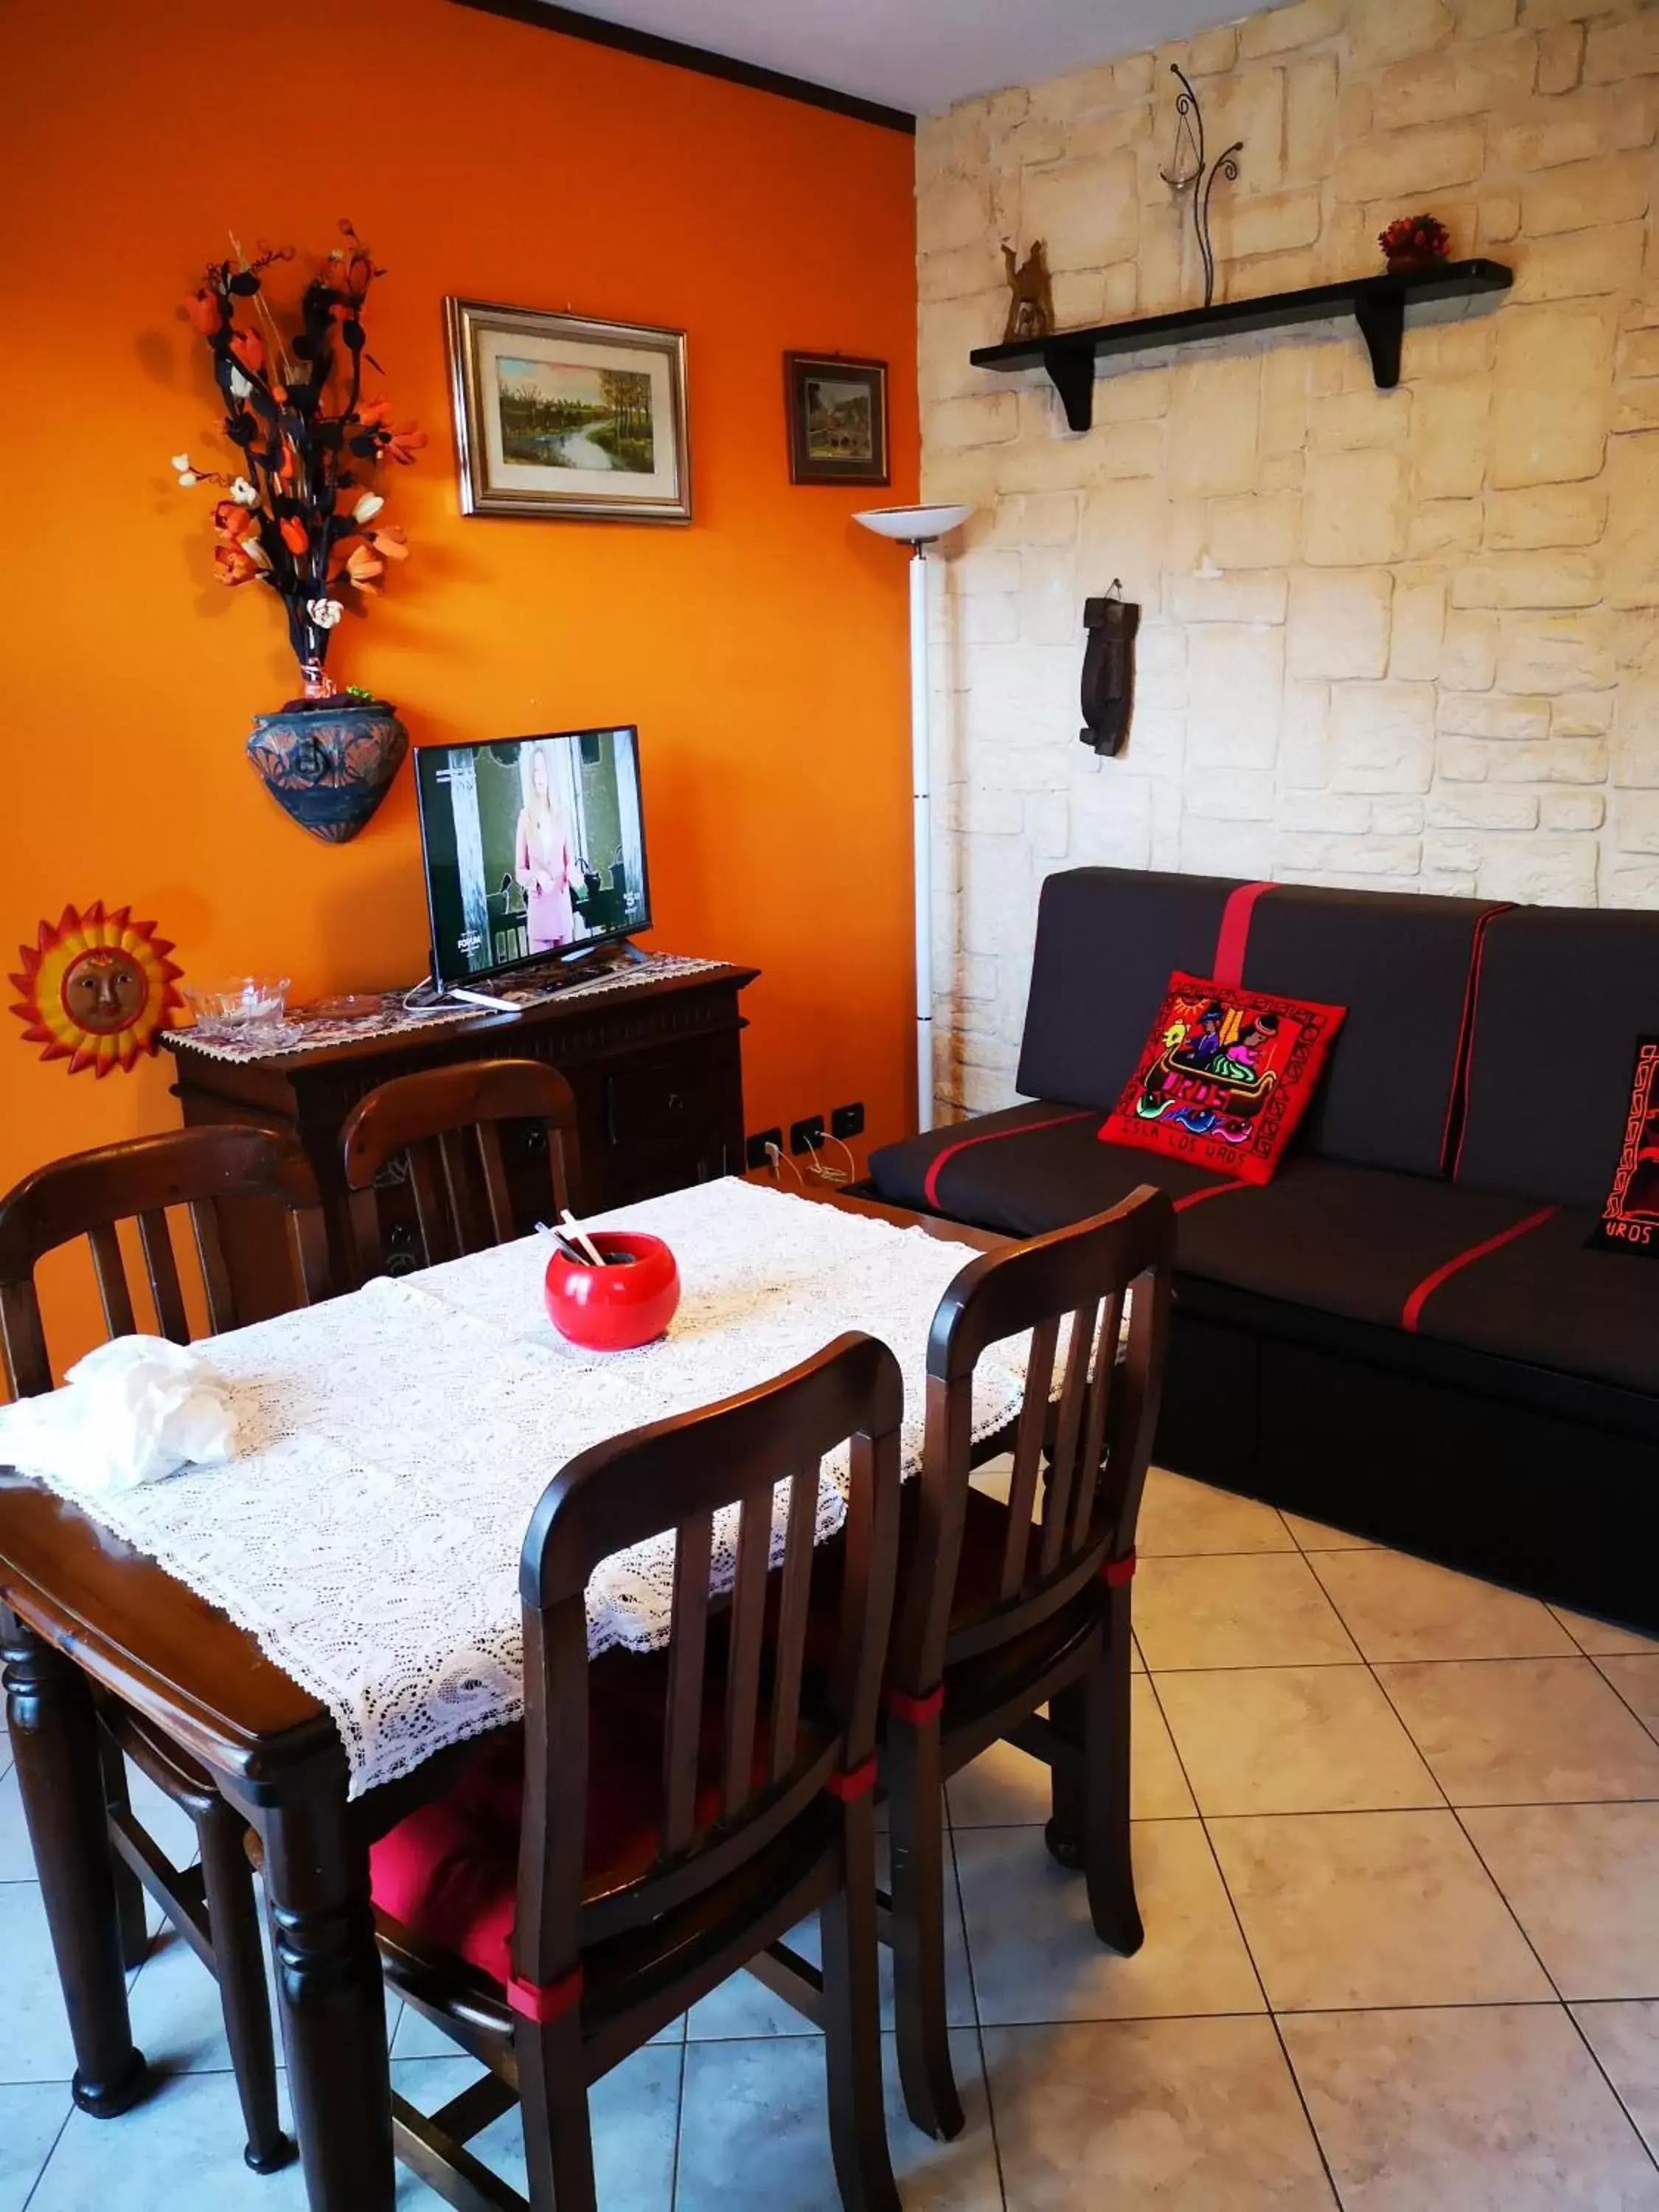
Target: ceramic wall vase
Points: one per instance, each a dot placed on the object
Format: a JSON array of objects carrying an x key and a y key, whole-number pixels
[{"x": 328, "y": 762}]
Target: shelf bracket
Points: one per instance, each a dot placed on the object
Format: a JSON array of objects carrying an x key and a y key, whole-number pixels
[
  {"x": 1072, "y": 373},
  {"x": 1380, "y": 315}
]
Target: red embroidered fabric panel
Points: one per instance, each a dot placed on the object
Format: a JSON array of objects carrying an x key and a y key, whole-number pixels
[{"x": 1224, "y": 1077}]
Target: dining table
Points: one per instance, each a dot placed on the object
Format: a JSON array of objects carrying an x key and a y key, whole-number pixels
[{"x": 322, "y": 1734}]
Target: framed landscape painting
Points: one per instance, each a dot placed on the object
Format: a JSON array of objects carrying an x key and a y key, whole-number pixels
[
  {"x": 837, "y": 414},
  {"x": 556, "y": 414}
]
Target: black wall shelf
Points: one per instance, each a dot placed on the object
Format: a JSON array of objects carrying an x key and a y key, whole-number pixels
[{"x": 1377, "y": 304}]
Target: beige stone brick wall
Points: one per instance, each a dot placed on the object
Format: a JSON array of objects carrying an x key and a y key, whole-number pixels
[{"x": 1401, "y": 639}]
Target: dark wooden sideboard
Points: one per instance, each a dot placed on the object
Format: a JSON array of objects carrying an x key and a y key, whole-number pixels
[{"x": 656, "y": 1067}]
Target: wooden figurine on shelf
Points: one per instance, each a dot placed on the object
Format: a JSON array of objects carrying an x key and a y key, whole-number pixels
[{"x": 1031, "y": 308}]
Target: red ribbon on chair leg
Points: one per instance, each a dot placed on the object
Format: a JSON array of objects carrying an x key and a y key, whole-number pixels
[
  {"x": 917, "y": 1710},
  {"x": 539, "y": 2003},
  {"x": 856, "y": 1783},
  {"x": 1116, "y": 1572}
]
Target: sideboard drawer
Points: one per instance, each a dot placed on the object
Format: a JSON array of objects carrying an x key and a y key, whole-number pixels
[{"x": 672, "y": 1107}]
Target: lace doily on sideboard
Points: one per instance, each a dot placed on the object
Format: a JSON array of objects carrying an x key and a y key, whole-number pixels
[
  {"x": 392, "y": 1444},
  {"x": 316, "y": 1033}
]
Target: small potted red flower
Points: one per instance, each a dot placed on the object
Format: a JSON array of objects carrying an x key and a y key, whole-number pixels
[{"x": 1413, "y": 243}]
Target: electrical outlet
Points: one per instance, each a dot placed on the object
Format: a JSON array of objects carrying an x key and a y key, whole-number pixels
[
  {"x": 755, "y": 1152},
  {"x": 847, "y": 1120},
  {"x": 807, "y": 1136}
]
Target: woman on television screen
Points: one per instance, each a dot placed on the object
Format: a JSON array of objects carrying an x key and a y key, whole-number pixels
[{"x": 542, "y": 860}]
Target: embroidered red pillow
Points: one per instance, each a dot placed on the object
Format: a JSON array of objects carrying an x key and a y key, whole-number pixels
[
  {"x": 1224, "y": 1077},
  {"x": 1630, "y": 1218}
]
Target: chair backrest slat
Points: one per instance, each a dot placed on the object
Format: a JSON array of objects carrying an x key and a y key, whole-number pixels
[
  {"x": 447, "y": 1121},
  {"x": 1102, "y": 1390},
  {"x": 162, "y": 1269},
  {"x": 110, "y": 1268},
  {"x": 22, "y": 1340},
  {"x": 468, "y": 1232},
  {"x": 431, "y": 1211},
  {"x": 88, "y": 1193},
  {"x": 721, "y": 1802},
  {"x": 1098, "y": 1438},
  {"x": 1028, "y": 1451},
  {"x": 694, "y": 1552},
  {"x": 210, "y": 1259},
  {"x": 794, "y": 1603},
  {"x": 743, "y": 1664},
  {"x": 496, "y": 1194},
  {"x": 1063, "y": 1468}
]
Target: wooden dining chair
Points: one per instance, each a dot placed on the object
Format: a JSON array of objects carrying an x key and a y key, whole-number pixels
[
  {"x": 661, "y": 1819},
  {"x": 462, "y": 1202},
  {"x": 212, "y": 1904},
  {"x": 1005, "y": 1607}
]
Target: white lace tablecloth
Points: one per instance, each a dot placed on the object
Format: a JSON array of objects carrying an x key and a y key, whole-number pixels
[{"x": 392, "y": 1444}]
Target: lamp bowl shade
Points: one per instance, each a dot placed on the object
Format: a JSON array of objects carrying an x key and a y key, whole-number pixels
[
  {"x": 620, "y": 1306},
  {"x": 912, "y": 525}
]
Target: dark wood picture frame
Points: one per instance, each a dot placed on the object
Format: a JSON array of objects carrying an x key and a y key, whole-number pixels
[{"x": 801, "y": 373}]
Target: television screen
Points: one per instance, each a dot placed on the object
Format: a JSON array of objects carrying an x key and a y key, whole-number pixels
[{"x": 531, "y": 845}]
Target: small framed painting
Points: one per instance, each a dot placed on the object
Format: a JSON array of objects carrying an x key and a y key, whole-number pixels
[
  {"x": 557, "y": 414},
  {"x": 837, "y": 414}
]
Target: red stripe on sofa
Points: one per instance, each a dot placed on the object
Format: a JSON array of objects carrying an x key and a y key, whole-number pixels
[
  {"x": 930, "y": 1185},
  {"x": 1234, "y": 934},
  {"x": 1411, "y": 1310},
  {"x": 1466, "y": 1031}
]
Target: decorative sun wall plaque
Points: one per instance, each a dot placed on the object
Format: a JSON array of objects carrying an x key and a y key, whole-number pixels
[{"x": 96, "y": 989}]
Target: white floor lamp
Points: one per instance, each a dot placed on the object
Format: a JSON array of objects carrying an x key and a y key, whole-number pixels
[{"x": 919, "y": 527}]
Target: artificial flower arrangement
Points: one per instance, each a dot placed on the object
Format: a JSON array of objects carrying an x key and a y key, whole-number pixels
[
  {"x": 1414, "y": 242},
  {"x": 300, "y": 515}
]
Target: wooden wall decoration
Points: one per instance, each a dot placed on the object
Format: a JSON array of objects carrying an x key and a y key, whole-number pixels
[
  {"x": 97, "y": 989},
  {"x": 1108, "y": 670}
]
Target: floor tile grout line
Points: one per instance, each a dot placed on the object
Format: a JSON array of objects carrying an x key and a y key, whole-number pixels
[
  {"x": 1618, "y": 1693},
  {"x": 1560, "y": 1996},
  {"x": 1595, "y": 2061},
  {"x": 1464, "y": 1829},
  {"x": 679, "y": 2124},
  {"x": 978, "y": 2029},
  {"x": 1209, "y": 1845},
  {"x": 1232, "y": 1907},
  {"x": 34, "y": 2186}
]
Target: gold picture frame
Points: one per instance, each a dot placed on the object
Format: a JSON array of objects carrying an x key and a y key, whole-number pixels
[{"x": 565, "y": 417}]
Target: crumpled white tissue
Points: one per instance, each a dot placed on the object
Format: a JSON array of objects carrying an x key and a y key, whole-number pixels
[{"x": 135, "y": 1411}]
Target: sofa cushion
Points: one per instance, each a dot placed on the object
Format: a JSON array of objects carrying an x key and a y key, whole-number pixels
[
  {"x": 1025, "y": 1170},
  {"x": 1543, "y": 1298},
  {"x": 1563, "y": 995},
  {"x": 1107, "y": 938},
  {"x": 1225, "y": 1076},
  {"x": 1403, "y": 968},
  {"x": 1345, "y": 1240}
]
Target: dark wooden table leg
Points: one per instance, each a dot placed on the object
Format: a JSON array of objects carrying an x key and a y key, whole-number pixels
[
  {"x": 60, "y": 1778},
  {"x": 329, "y": 1997}
]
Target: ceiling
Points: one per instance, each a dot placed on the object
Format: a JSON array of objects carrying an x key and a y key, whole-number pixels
[{"x": 921, "y": 55}]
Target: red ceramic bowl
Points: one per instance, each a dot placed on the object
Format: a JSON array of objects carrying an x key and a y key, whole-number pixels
[{"x": 614, "y": 1308}]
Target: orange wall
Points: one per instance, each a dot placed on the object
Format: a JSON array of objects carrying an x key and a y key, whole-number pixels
[{"x": 762, "y": 650}]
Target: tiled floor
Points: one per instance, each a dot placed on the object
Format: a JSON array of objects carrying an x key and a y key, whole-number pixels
[{"x": 1398, "y": 1855}]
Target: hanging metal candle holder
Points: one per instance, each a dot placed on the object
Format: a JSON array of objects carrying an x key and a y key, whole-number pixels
[{"x": 1201, "y": 180}]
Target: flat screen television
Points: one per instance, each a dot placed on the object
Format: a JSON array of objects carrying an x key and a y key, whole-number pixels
[{"x": 531, "y": 846}]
